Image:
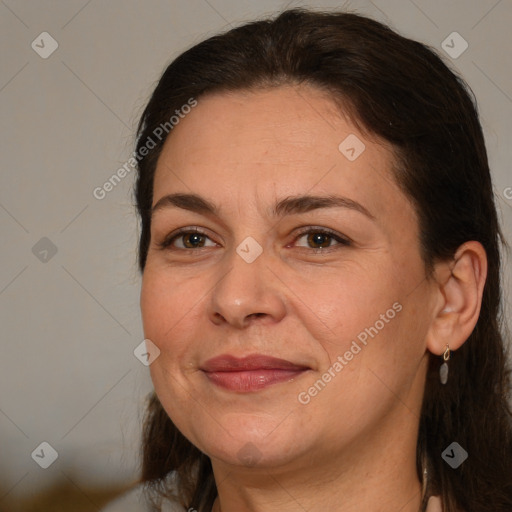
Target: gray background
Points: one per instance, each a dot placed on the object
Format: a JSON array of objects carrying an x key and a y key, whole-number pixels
[{"x": 70, "y": 320}]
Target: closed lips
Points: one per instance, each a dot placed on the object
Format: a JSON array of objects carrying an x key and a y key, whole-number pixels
[
  {"x": 251, "y": 373},
  {"x": 228, "y": 363}
]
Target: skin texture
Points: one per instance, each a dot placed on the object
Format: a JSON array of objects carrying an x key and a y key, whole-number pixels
[{"x": 352, "y": 446}]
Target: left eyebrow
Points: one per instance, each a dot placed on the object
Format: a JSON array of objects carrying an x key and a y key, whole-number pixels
[
  {"x": 307, "y": 203},
  {"x": 286, "y": 206}
]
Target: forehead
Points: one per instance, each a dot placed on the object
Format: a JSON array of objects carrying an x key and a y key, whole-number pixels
[
  {"x": 248, "y": 146},
  {"x": 253, "y": 121}
]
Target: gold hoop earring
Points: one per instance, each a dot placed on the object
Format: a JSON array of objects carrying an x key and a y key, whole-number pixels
[{"x": 443, "y": 370}]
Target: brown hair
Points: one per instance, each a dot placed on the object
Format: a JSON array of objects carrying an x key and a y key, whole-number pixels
[{"x": 401, "y": 91}]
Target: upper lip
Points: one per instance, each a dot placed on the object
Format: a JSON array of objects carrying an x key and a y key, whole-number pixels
[{"x": 229, "y": 363}]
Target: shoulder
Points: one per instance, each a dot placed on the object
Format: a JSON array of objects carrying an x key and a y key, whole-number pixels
[
  {"x": 135, "y": 501},
  {"x": 434, "y": 504},
  {"x": 131, "y": 501}
]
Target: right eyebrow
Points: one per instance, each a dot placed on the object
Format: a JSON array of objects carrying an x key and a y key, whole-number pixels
[{"x": 191, "y": 202}]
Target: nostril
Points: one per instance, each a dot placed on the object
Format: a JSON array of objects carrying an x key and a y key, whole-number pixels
[{"x": 256, "y": 315}]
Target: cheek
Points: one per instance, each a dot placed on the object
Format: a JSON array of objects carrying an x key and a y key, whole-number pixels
[
  {"x": 372, "y": 355},
  {"x": 338, "y": 308},
  {"x": 169, "y": 310},
  {"x": 369, "y": 327}
]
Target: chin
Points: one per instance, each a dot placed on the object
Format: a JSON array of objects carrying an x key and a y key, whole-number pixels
[
  {"x": 253, "y": 455},
  {"x": 251, "y": 440}
]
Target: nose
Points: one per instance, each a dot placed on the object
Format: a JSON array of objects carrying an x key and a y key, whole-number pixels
[{"x": 247, "y": 293}]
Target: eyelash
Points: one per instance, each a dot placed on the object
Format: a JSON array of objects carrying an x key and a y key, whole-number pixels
[{"x": 166, "y": 244}]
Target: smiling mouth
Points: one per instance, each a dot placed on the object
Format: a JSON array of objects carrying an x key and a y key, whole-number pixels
[{"x": 250, "y": 373}]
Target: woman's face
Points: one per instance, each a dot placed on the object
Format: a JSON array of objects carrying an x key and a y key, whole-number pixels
[{"x": 306, "y": 251}]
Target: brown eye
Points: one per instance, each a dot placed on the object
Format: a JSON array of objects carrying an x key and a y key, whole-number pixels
[
  {"x": 193, "y": 240},
  {"x": 321, "y": 239},
  {"x": 186, "y": 239}
]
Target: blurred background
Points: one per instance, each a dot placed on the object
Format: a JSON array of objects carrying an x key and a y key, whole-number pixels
[{"x": 75, "y": 76}]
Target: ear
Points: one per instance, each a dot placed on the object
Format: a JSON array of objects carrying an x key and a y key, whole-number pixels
[{"x": 459, "y": 285}]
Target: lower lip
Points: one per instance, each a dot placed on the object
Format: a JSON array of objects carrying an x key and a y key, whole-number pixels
[{"x": 251, "y": 380}]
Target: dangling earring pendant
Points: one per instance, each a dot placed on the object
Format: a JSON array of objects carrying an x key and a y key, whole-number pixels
[{"x": 443, "y": 371}]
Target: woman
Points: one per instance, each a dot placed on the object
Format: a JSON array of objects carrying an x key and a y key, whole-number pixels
[{"x": 320, "y": 258}]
